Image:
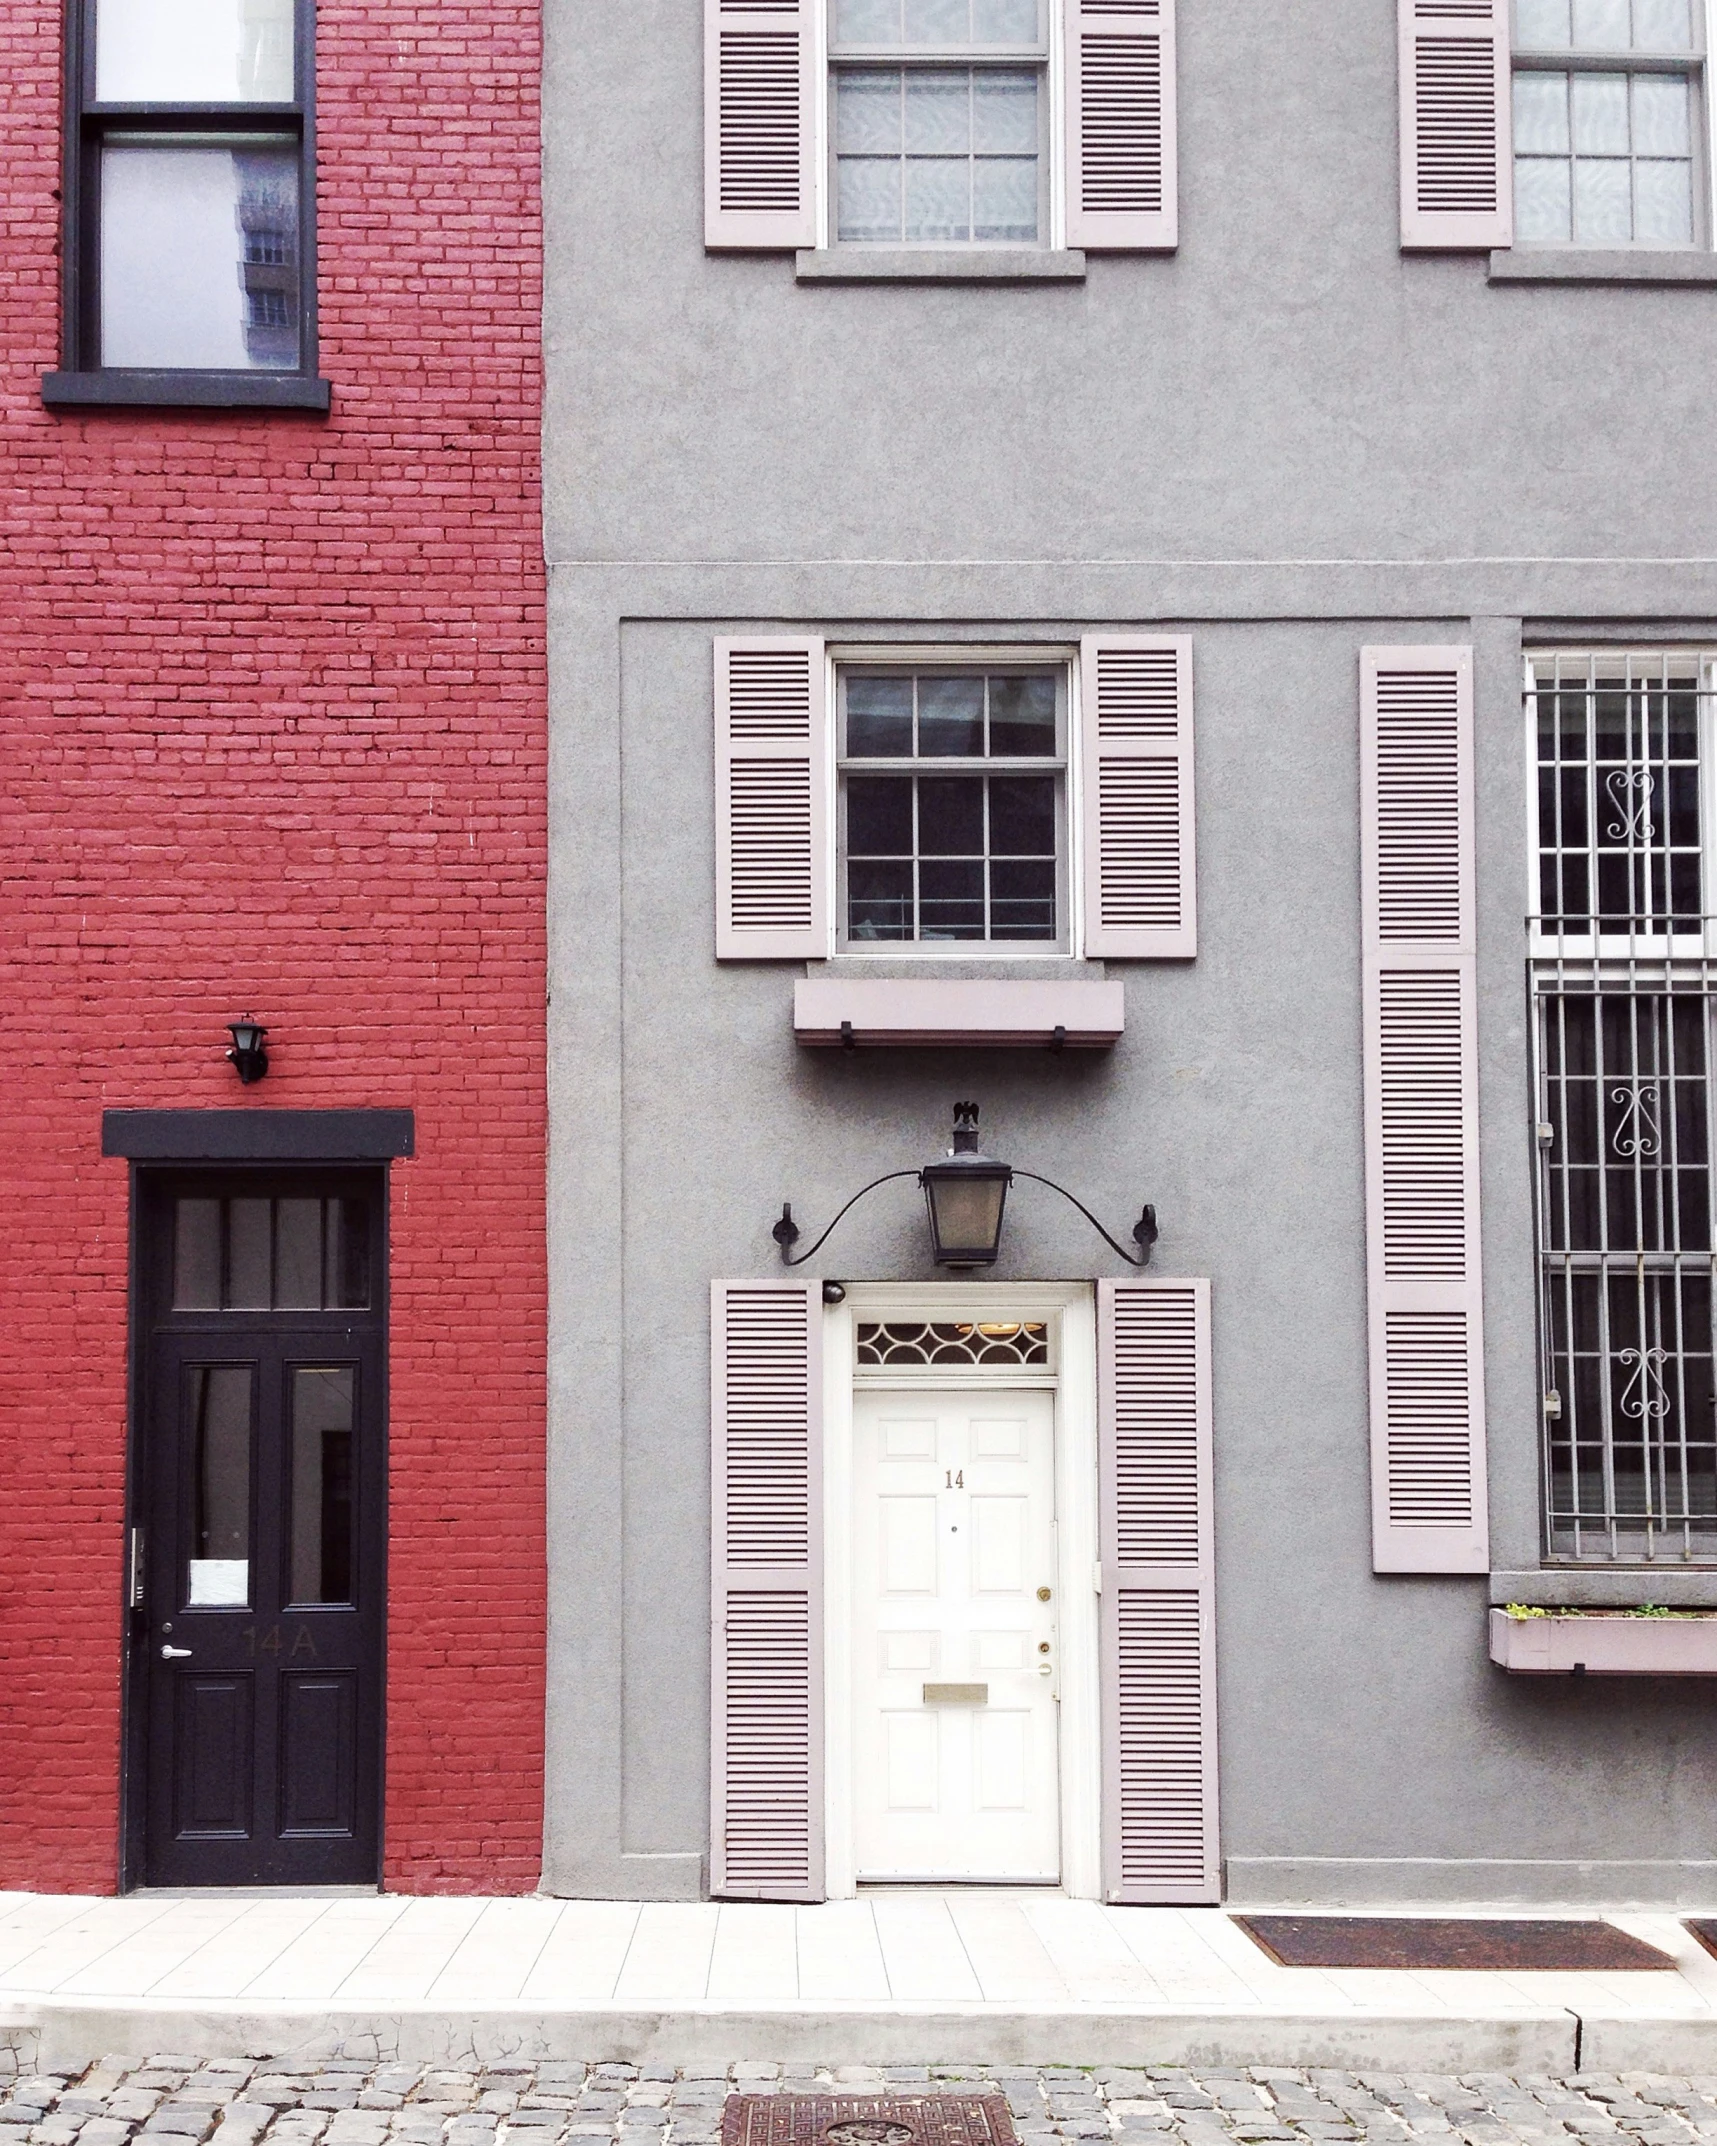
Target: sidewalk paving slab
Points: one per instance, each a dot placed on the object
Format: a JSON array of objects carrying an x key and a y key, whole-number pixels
[{"x": 1000, "y": 1977}]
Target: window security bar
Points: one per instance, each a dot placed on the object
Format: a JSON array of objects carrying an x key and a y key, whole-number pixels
[{"x": 1621, "y": 1036}]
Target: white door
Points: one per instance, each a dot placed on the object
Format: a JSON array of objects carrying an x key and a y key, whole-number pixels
[{"x": 954, "y": 1622}]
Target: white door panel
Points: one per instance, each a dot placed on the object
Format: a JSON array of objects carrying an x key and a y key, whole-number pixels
[{"x": 956, "y": 1762}]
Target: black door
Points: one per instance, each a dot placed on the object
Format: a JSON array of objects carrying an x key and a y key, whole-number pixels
[{"x": 258, "y": 1583}]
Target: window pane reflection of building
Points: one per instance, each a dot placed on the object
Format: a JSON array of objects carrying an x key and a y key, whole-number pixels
[
  {"x": 199, "y": 245},
  {"x": 194, "y": 52}
]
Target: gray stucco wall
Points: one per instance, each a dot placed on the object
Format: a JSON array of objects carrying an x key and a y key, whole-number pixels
[{"x": 1288, "y": 441}]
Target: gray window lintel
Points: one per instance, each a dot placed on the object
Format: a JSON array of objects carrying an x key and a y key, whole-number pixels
[
  {"x": 1608, "y": 1586},
  {"x": 1619, "y": 264}
]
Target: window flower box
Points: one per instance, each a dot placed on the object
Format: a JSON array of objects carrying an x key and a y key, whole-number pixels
[{"x": 1605, "y": 1643}]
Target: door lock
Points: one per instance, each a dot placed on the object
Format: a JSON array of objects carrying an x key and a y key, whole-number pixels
[{"x": 175, "y": 1654}]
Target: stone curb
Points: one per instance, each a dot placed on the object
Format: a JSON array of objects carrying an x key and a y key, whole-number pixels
[{"x": 70, "y": 2034}]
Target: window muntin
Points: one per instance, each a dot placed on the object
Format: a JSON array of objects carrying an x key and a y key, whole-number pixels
[
  {"x": 1620, "y": 793},
  {"x": 1605, "y": 144},
  {"x": 189, "y": 194},
  {"x": 938, "y": 122},
  {"x": 953, "y": 807}
]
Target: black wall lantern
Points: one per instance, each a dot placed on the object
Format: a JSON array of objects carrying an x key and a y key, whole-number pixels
[
  {"x": 965, "y": 1194},
  {"x": 247, "y": 1054}
]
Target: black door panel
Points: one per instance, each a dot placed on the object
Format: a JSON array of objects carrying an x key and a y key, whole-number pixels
[
  {"x": 213, "y": 1744},
  {"x": 258, "y": 1641}
]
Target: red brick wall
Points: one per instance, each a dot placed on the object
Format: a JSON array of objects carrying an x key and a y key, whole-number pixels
[{"x": 274, "y": 740}]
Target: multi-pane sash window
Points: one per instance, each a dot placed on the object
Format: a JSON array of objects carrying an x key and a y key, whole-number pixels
[
  {"x": 953, "y": 807},
  {"x": 1608, "y": 118},
  {"x": 1620, "y": 822},
  {"x": 1623, "y": 985},
  {"x": 938, "y": 120},
  {"x": 190, "y": 194}
]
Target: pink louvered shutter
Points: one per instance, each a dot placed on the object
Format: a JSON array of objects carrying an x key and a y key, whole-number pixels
[
  {"x": 1457, "y": 176},
  {"x": 1421, "y": 1112},
  {"x": 766, "y": 1708},
  {"x": 760, "y": 104},
  {"x": 771, "y": 753},
  {"x": 1140, "y": 867},
  {"x": 1158, "y": 1577},
  {"x": 1121, "y": 192}
]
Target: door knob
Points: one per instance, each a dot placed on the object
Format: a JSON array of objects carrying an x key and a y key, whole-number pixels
[{"x": 175, "y": 1654}]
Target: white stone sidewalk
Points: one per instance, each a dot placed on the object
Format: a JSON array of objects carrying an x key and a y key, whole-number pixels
[{"x": 899, "y": 1977}]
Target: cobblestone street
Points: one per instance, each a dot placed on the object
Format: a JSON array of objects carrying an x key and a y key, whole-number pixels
[{"x": 178, "y": 2100}]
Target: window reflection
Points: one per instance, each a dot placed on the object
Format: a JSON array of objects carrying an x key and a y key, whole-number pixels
[
  {"x": 262, "y": 1254},
  {"x": 199, "y": 252},
  {"x": 322, "y": 1503},
  {"x": 220, "y": 1410},
  {"x": 194, "y": 51}
]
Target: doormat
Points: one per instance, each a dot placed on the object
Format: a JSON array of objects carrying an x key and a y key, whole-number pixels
[
  {"x": 1705, "y": 1930},
  {"x": 867, "y": 2120},
  {"x": 1425, "y": 1942}
]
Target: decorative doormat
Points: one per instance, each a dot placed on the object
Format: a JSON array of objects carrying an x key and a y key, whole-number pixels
[
  {"x": 1705, "y": 1930},
  {"x": 867, "y": 2120},
  {"x": 1420, "y": 1941}
]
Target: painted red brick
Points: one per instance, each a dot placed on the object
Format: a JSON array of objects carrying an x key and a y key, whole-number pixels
[{"x": 275, "y": 742}]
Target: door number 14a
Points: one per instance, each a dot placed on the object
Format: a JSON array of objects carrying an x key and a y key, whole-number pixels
[{"x": 270, "y": 1642}]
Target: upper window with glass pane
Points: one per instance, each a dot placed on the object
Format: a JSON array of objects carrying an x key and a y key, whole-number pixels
[
  {"x": 192, "y": 199},
  {"x": 953, "y": 808},
  {"x": 938, "y": 115},
  {"x": 1608, "y": 121}
]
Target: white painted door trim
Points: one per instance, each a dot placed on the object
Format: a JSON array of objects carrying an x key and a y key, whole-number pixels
[{"x": 1073, "y": 1308}]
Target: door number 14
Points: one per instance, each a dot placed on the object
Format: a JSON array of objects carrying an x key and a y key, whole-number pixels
[{"x": 956, "y": 1478}]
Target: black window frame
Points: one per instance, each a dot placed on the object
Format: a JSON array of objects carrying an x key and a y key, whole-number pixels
[{"x": 83, "y": 380}]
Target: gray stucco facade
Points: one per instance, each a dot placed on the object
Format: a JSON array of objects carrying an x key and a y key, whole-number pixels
[{"x": 1288, "y": 440}]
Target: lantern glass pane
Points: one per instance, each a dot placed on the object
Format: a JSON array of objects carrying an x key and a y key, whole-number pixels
[{"x": 968, "y": 1213}]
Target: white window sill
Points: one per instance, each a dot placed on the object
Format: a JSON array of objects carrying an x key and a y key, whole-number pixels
[
  {"x": 1004, "y": 1015},
  {"x": 939, "y": 264},
  {"x": 1621, "y": 264}
]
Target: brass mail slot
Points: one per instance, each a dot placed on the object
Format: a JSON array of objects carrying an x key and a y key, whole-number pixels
[{"x": 956, "y": 1695}]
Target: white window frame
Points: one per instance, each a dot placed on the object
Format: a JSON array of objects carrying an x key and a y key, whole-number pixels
[
  {"x": 1069, "y": 942},
  {"x": 1052, "y": 139},
  {"x": 1697, "y": 65}
]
